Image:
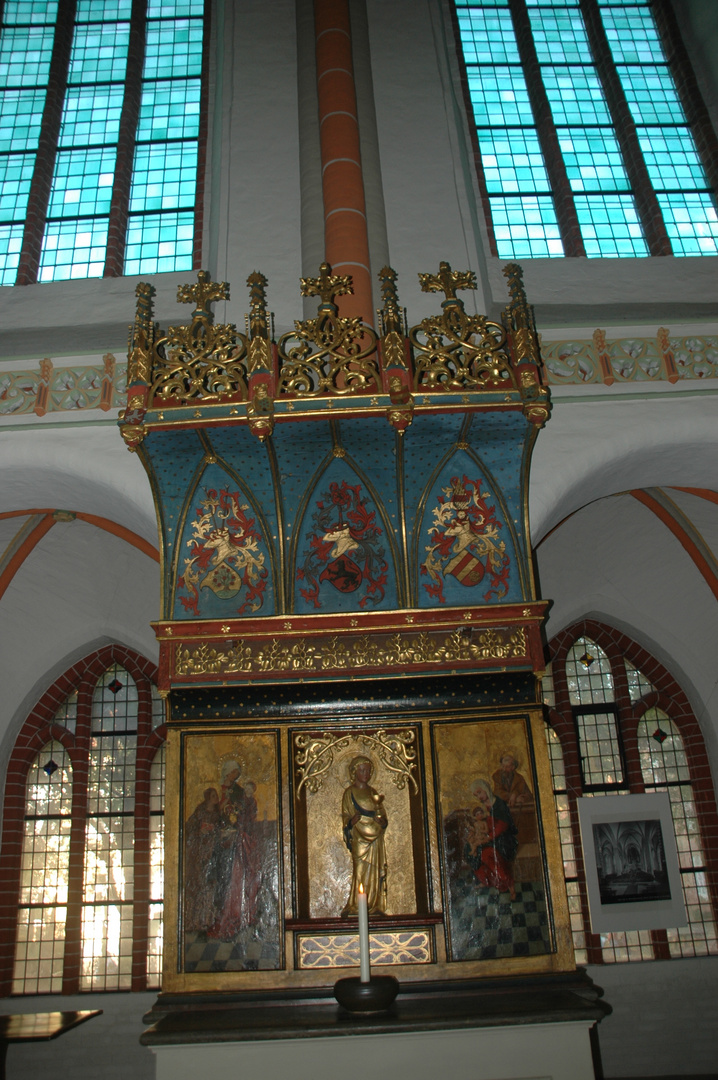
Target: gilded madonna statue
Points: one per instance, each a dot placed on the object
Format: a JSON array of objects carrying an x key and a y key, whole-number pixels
[{"x": 364, "y": 821}]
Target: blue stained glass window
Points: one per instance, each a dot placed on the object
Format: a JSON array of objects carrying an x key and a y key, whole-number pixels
[
  {"x": 610, "y": 226},
  {"x": 20, "y": 116},
  {"x": 15, "y": 176},
  {"x": 514, "y": 150},
  {"x": 99, "y": 53},
  {"x": 559, "y": 35},
  {"x": 632, "y": 35},
  {"x": 692, "y": 223},
  {"x": 526, "y": 227},
  {"x": 102, "y": 10},
  {"x": 162, "y": 192},
  {"x": 82, "y": 183},
  {"x": 10, "y": 248},
  {"x": 73, "y": 249},
  {"x": 167, "y": 9},
  {"x": 672, "y": 158},
  {"x": 488, "y": 36},
  {"x": 29, "y": 11},
  {"x": 159, "y": 243},
  {"x": 173, "y": 48},
  {"x": 651, "y": 95},
  {"x": 169, "y": 110},
  {"x": 91, "y": 115},
  {"x": 575, "y": 95},
  {"x": 164, "y": 176},
  {"x": 593, "y": 160},
  {"x": 25, "y": 53}
]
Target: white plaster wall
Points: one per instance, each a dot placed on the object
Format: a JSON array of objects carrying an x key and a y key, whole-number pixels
[
  {"x": 615, "y": 561},
  {"x": 79, "y": 588},
  {"x": 664, "y": 1020},
  {"x": 602, "y": 440},
  {"x": 58, "y": 462},
  {"x": 107, "y": 1046}
]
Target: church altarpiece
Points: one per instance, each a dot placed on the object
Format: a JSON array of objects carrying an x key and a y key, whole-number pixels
[{"x": 349, "y": 641}]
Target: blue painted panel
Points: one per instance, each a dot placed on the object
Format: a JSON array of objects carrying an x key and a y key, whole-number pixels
[
  {"x": 224, "y": 568},
  {"x": 465, "y": 549},
  {"x": 343, "y": 561}
]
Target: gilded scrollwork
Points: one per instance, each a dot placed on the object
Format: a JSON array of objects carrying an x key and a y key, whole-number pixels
[
  {"x": 203, "y": 361},
  {"x": 353, "y": 652},
  {"x": 329, "y": 354},
  {"x": 315, "y": 756},
  {"x": 454, "y": 350},
  {"x": 395, "y": 749}
]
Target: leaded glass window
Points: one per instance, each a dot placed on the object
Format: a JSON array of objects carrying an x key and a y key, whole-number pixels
[
  {"x": 44, "y": 874},
  {"x": 585, "y": 145},
  {"x": 86, "y": 896},
  {"x": 592, "y": 693},
  {"x": 106, "y": 184}
]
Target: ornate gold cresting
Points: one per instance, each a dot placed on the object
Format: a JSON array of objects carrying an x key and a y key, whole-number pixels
[
  {"x": 456, "y": 351},
  {"x": 208, "y": 363},
  {"x": 328, "y": 354},
  {"x": 395, "y": 749}
]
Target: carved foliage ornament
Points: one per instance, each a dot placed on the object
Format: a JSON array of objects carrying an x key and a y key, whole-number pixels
[
  {"x": 456, "y": 351},
  {"x": 348, "y": 652},
  {"x": 328, "y": 354}
]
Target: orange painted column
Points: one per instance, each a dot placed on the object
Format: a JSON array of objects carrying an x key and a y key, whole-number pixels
[{"x": 346, "y": 243}]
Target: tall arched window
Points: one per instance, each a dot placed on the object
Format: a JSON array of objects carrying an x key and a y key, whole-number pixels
[
  {"x": 591, "y": 135},
  {"x": 619, "y": 723},
  {"x": 82, "y": 834}
]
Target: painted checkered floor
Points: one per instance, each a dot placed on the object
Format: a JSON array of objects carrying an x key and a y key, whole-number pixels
[
  {"x": 246, "y": 953},
  {"x": 486, "y": 925}
]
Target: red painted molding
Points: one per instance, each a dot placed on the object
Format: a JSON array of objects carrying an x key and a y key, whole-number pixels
[{"x": 688, "y": 545}]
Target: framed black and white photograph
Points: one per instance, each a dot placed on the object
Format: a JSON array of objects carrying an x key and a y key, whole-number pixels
[{"x": 632, "y": 872}]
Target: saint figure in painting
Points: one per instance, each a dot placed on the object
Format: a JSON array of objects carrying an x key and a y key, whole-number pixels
[
  {"x": 509, "y": 784},
  {"x": 491, "y": 841},
  {"x": 239, "y": 862},
  {"x": 202, "y": 833},
  {"x": 364, "y": 821}
]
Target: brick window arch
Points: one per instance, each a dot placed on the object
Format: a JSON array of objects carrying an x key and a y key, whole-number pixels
[
  {"x": 81, "y": 861},
  {"x": 620, "y": 723}
]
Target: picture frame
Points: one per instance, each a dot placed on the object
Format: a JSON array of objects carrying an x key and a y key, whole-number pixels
[{"x": 632, "y": 874}]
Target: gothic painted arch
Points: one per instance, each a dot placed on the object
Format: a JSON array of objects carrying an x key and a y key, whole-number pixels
[{"x": 344, "y": 552}]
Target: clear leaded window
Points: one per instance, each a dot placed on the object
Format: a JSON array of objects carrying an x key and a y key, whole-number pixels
[
  {"x": 86, "y": 898},
  {"x": 586, "y": 145},
  {"x": 99, "y": 137},
  {"x": 596, "y": 738}
]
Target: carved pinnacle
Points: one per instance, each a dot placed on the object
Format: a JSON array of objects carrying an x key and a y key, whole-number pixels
[
  {"x": 204, "y": 293},
  {"x": 257, "y": 303},
  {"x": 391, "y": 313},
  {"x": 448, "y": 281},
  {"x": 327, "y": 285}
]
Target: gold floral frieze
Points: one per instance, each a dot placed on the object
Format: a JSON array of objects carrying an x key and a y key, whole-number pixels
[
  {"x": 349, "y": 653},
  {"x": 342, "y": 950}
]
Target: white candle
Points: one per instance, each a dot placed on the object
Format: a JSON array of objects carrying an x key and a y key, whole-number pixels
[{"x": 363, "y": 911}]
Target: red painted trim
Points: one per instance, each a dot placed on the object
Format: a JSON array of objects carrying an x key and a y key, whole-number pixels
[
  {"x": 701, "y": 493},
  {"x": 132, "y": 538},
  {"x": 682, "y": 536},
  {"x": 26, "y": 548}
]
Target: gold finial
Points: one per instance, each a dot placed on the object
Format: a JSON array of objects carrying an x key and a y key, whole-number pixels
[
  {"x": 257, "y": 303},
  {"x": 327, "y": 285},
  {"x": 515, "y": 277},
  {"x": 448, "y": 281},
  {"x": 390, "y": 314},
  {"x": 204, "y": 293}
]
